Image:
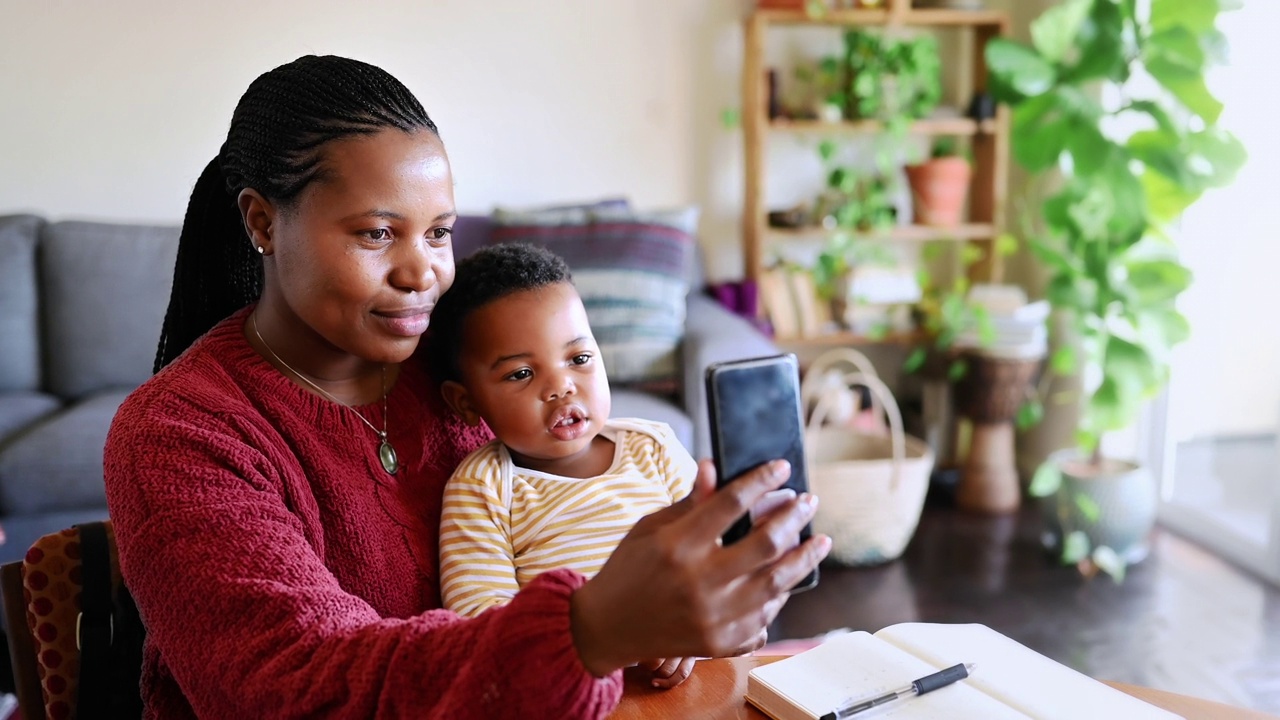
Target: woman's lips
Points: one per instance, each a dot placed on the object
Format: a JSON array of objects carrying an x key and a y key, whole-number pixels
[{"x": 409, "y": 322}]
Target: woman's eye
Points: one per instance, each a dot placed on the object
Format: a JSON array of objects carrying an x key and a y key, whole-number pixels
[
  {"x": 521, "y": 374},
  {"x": 582, "y": 359},
  {"x": 441, "y": 233},
  {"x": 378, "y": 234}
]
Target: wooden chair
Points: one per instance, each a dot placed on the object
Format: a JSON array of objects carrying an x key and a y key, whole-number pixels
[{"x": 42, "y": 606}]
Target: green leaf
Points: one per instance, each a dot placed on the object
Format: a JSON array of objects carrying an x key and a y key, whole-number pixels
[
  {"x": 970, "y": 254},
  {"x": 1006, "y": 245},
  {"x": 1214, "y": 156},
  {"x": 1194, "y": 15},
  {"x": 1169, "y": 64},
  {"x": 1166, "y": 200},
  {"x": 915, "y": 360},
  {"x": 1040, "y": 131},
  {"x": 1019, "y": 68},
  {"x": 1110, "y": 408},
  {"x": 1109, "y": 562},
  {"x": 1103, "y": 46},
  {"x": 1088, "y": 507},
  {"x": 1165, "y": 326},
  {"x": 878, "y": 332},
  {"x": 1156, "y": 281},
  {"x": 1063, "y": 361},
  {"x": 1075, "y": 547},
  {"x": 1157, "y": 113},
  {"x": 730, "y": 118},
  {"x": 1177, "y": 46},
  {"x": 1072, "y": 291},
  {"x": 1055, "y": 30},
  {"x": 1030, "y": 413},
  {"x": 827, "y": 150},
  {"x": 1046, "y": 481},
  {"x": 957, "y": 370},
  {"x": 1130, "y": 367},
  {"x": 1088, "y": 147}
]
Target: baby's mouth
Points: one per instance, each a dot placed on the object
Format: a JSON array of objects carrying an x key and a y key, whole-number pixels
[{"x": 568, "y": 422}]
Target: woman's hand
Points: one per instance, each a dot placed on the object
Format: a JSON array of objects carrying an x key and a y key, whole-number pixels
[{"x": 670, "y": 589}]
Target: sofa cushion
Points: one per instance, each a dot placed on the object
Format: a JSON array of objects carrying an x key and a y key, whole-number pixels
[
  {"x": 19, "y": 409},
  {"x": 633, "y": 404},
  {"x": 105, "y": 288},
  {"x": 57, "y": 465},
  {"x": 19, "y": 313},
  {"x": 631, "y": 270}
]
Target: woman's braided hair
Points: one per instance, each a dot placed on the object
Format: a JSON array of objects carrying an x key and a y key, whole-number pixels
[{"x": 278, "y": 130}]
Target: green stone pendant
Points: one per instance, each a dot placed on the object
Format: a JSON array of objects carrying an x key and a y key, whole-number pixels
[{"x": 387, "y": 454}]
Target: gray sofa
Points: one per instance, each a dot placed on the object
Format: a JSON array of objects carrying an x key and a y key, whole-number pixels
[{"x": 81, "y": 305}]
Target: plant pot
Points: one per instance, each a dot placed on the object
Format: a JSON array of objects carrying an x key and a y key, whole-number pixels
[
  {"x": 939, "y": 187},
  {"x": 1125, "y": 495}
]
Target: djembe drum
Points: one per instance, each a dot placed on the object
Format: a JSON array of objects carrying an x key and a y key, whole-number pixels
[{"x": 989, "y": 395}]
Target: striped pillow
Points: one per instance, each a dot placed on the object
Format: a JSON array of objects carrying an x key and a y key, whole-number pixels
[{"x": 631, "y": 269}]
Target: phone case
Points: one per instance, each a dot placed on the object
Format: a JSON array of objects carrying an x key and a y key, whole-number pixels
[{"x": 756, "y": 416}]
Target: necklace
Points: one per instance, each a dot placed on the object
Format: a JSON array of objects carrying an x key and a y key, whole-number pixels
[{"x": 386, "y": 453}]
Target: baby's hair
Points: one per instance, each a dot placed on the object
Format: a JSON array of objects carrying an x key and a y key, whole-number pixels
[
  {"x": 487, "y": 275},
  {"x": 275, "y": 143}
]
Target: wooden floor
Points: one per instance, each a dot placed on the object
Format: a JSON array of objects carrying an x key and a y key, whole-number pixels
[{"x": 1183, "y": 620}]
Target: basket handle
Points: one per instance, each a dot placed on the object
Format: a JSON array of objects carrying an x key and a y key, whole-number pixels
[
  {"x": 811, "y": 386},
  {"x": 892, "y": 414}
]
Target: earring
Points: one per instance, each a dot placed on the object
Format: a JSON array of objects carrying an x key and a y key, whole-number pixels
[{"x": 262, "y": 250}]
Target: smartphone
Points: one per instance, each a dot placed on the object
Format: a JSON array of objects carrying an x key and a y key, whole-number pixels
[{"x": 756, "y": 417}]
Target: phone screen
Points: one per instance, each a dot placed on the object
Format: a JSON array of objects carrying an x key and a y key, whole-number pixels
[{"x": 756, "y": 417}]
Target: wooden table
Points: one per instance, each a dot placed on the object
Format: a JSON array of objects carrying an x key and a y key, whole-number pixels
[{"x": 716, "y": 689}]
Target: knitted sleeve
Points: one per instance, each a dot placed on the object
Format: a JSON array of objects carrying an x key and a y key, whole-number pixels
[
  {"x": 250, "y": 622},
  {"x": 477, "y": 557}
]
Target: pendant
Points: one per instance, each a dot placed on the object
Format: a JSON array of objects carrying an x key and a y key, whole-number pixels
[{"x": 387, "y": 454}]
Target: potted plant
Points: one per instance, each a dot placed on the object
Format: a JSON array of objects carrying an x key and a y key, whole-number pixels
[
  {"x": 892, "y": 79},
  {"x": 939, "y": 185},
  {"x": 1128, "y": 168}
]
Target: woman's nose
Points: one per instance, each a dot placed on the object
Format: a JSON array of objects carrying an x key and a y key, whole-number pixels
[{"x": 414, "y": 268}]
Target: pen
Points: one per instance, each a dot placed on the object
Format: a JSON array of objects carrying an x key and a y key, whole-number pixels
[{"x": 928, "y": 683}]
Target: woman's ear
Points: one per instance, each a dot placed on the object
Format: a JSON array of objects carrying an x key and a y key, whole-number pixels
[
  {"x": 459, "y": 401},
  {"x": 259, "y": 216}
]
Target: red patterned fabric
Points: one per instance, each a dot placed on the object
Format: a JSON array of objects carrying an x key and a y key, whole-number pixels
[
  {"x": 51, "y": 586},
  {"x": 282, "y": 573}
]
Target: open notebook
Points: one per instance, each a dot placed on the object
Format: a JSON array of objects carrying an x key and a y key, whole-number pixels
[{"x": 1010, "y": 680}]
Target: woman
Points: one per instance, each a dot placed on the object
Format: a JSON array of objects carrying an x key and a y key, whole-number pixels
[{"x": 276, "y": 486}]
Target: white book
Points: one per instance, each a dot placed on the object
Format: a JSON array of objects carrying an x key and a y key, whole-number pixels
[{"x": 1009, "y": 680}]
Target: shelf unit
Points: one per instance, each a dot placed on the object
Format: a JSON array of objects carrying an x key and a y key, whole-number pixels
[{"x": 989, "y": 142}]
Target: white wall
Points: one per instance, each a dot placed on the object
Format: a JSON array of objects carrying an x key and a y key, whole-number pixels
[{"x": 110, "y": 110}]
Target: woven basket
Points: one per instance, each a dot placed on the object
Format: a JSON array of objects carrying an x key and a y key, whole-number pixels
[{"x": 872, "y": 487}]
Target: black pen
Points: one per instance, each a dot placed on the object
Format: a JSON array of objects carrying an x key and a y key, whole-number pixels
[{"x": 928, "y": 683}]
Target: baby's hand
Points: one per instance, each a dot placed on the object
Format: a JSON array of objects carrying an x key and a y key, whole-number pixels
[{"x": 669, "y": 672}]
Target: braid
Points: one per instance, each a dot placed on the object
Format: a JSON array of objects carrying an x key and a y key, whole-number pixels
[{"x": 274, "y": 145}]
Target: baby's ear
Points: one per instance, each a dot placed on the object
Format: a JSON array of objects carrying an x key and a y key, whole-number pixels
[{"x": 459, "y": 401}]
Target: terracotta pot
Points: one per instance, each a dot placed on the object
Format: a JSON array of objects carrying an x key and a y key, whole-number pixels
[{"x": 939, "y": 187}]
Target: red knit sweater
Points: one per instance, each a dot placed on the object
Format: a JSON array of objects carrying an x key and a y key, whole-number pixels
[{"x": 282, "y": 573}]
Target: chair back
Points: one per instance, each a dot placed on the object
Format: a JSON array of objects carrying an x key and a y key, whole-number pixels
[{"x": 44, "y": 595}]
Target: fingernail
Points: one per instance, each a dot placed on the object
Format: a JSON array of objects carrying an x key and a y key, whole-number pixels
[
  {"x": 810, "y": 501},
  {"x": 780, "y": 469}
]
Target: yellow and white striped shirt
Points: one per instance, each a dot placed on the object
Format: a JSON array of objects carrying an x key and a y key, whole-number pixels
[{"x": 503, "y": 525}]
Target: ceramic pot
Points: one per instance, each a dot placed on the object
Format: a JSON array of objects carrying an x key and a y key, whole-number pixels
[
  {"x": 1125, "y": 493},
  {"x": 939, "y": 187}
]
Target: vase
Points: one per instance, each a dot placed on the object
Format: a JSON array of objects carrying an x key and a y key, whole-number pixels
[
  {"x": 939, "y": 187},
  {"x": 1124, "y": 493}
]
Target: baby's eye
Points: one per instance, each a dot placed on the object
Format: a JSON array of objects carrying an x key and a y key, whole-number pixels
[
  {"x": 378, "y": 234},
  {"x": 441, "y": 233},
  {"x": 581, "y": 359},
  {"x": 521, "y": 374}
]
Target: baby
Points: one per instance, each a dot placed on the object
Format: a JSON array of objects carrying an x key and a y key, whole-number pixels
[{"x": 562, "y": 483}]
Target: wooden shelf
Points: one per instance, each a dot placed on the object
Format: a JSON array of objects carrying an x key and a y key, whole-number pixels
[
  {"x": 898, "y": 233},
  {"x": 844, "y": 337},
  {"x": 915, "y": 17},
  {"x": 930, "y": 126}
]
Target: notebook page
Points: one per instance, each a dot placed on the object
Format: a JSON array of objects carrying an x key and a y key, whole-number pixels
[
  {"x": 857, "y": 665},
  {"x": 1017, "y": 675}
]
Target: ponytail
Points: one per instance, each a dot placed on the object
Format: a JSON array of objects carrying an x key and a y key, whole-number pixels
[{"x": 217, "y": 271}]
